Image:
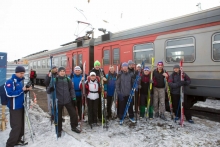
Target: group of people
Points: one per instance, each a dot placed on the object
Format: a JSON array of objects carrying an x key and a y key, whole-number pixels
[{"x": 68, "y": 90}]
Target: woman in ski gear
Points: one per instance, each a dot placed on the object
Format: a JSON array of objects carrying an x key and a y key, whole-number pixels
[
  {"x": 145, "y": 82},
  {"x": 65, "y": 94},
  {"x": 124, "y": 85},
  {"x": 99, "y": 72},
  {"x": 92, "y": 85},
  {"x": 175, "y": 83},
  {"x": 111, "y": 80},
  {"x": 159, "y": 90},
  {"x": 15, "y": 90}
]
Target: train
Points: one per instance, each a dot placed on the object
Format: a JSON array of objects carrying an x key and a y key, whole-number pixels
[{"x": 194, "y": 38}]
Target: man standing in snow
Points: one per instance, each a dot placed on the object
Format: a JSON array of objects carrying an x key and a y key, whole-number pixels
[
  {"x": 15, "y": 89},
  {"x": 123, "y": 87},
  {"x": 159, "y": 90},
  {"x": 33, "y": 76},
  {"x": 175, "y": 83},
  {"x": 65, "y": 94}
]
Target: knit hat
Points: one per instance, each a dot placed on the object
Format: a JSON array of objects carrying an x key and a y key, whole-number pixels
[
  {"x": 54, "y": 66},
  {"x": 19, "y": 69},
  {"x": 176, "y": 66},
  {"x": 160, "y": 63},
  {"x": 124, "y": 64},
  {"x": 92, "y": 74},
  {"x": 130, "y": 62},
  {"x": 138, "y": 65},
  {"x": 61, "y": 68},
  {"x": 77, "y": 68},
  {"x": 97, "y": 63},
  {"x": 146, "y": 68}
]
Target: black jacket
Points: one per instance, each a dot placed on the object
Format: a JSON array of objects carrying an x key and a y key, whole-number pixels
[
  {"x": 158, "y": 78},
  {"x": 145, "y": 82},
  {"x": 175, "y": 82},
  {"x": 97, "y": 72}
]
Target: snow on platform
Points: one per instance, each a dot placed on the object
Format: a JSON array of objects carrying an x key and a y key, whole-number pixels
[
  {"x": 145, "y": 133},
  {"x": 209, "y": 103}
]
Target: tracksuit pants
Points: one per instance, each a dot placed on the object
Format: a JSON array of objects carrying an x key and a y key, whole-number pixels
[
  {"x": 92, "y": 110},
  {"x": 122, "y": 107}
]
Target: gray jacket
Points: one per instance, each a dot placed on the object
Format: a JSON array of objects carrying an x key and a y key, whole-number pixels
[
  {"x": 64, "y": 90},
  {"x": 124, "y": 83}
]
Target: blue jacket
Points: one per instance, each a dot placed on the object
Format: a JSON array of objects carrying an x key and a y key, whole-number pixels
[
  {"x": 13, "y": 88},
  {"x": 111, "y": 81},
  {"x": 76, "y": 80}
]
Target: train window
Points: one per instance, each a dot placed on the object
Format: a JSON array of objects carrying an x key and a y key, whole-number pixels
[
  {"x": 48, "y": 63},
  {"x": 34, "y": 65},
  {"x": 106, "y": 57},
  {"x": 74, "y": 60},
  {"x": 178, "y": 49},
  {"x": 143, "y": 52},
  {"x": 80, "y": 59},
  {"x": 43, "y": 64},
  {"x": 116, "y": 55},
  {"x": 31, "y": 65},
  {"x": 55, "y": 62},
  {"x": 38, "y": 64},
  {"x": 63, "y": 61},
  {"x": 216, "y": 47}
]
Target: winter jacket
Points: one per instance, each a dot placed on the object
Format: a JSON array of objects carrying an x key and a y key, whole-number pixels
[
  {"x": 111, "y": 80},
  {"x": 174, "y": 82},
  {"x": 47, "y": 81},
  {"x": 97, "y": 72},
  {"x": 124, "y": 83},
  {"x": 13, "y": 88},
  {"x": 158, "y": 78},
  {"x": 92, "y": 87},
  {"x": 145, "y": 82},
  {"x": 64, "y": 90},
  {"x": 76, "y": 81},
  {"x": 33, "y": 74}
]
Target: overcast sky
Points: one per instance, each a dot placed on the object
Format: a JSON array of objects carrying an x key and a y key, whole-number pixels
[{"x": 28, "y": 26}]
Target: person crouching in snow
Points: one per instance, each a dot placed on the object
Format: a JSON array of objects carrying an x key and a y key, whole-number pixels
[
  {"x": 65, "y": 94},
  {"x": 93, "y": 88},
  {"x": 145, "y": 82},
  {"x": 124, "y": 85}
]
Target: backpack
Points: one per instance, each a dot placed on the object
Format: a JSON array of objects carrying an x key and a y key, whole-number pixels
[{"x": 4, "y": 97}]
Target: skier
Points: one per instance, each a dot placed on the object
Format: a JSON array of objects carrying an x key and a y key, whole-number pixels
[
  {"x": 145, "y": 82},
  {"x": 33, "y": 76},
  {"x": 92, "y": 85},
  {"x": 124, "y": 85},
  {"x": 65, "y": 94},
  {"x": 175, "y": 83},
  {"x": 15, "y": 91},
  {"x": 159, "y": 90},
  {"x": 76, "y": 78},
  {"x": 97, "y": 69},
  {"x": 111, "y": 80},
  {"x": 47, "y": 83}
]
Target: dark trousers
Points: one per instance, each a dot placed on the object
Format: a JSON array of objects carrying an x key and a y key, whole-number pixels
[
  {"x": 137, "y": 100},
  {"x": 17, "y": 127},
  {"x": 109, "y": 105},
  {"x": 143, "y": 99},
  {"x": 72, "y": 114},
  {"x": 92, "y": 110},
  {"x": 79, "y": 106},
  {"x": 32, "y": 81},
  {"x": 186, "y": 106},
  {"x": 99, "y": 106},
  {"x": 123, "y": 106}
]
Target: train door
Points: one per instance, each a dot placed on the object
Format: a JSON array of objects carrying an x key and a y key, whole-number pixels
[
  {"x": 77, "y": 59},
  {"x": 111, "y": 56}
]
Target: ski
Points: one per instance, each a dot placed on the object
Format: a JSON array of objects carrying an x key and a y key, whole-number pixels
[
  {"x": 148, "y": 112},
  {"x": 116, "y": 97},
  {"x": 83, "y": 95},
  {"x": 182, "y": 95}
]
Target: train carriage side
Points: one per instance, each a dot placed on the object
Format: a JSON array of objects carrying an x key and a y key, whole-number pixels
[{"x": 195, "y": 38}]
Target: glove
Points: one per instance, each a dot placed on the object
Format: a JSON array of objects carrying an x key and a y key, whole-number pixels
[
  {"x": 51, "y": 89},
  {"x": 120, "y": 97},
  {"x": 74, "y": 102}
]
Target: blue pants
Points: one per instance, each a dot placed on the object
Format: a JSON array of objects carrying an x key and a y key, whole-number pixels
[{"x": 122, "y": 107}]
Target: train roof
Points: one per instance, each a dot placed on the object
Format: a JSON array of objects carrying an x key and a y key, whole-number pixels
[
  {"x": 63, "y": 49},
  {"x": 193, "y": 19}
]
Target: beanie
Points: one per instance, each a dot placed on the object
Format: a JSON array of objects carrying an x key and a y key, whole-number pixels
[
  {"x": 130, "y": 62},
  {"x": 146, "y": 68},
  {"x": 92, "y": 74},
  {"x": 176, "y": 66},
  {"x": 160, "y": 63},
  {"x": 138, "y": 65},
  {"x": 124, "y": 64},
  {"x": 19, "y": 69},
  {"x": 61, "y": 68},
  {"x": 77, "y": 68},
  {"x": 97, "y": 63},
  {"x": 54, "y": 66}
]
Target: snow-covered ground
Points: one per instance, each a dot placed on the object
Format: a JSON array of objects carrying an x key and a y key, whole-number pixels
[
  {"x": 152, "y": 133},
  {"x": 209, "y": 103}
]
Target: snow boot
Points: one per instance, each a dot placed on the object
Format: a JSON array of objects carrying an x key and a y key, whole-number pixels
[
  {"x": 21, "y": 143},
  {"x": 190, "y": 121},
  {"x": 132, "y": 120},
  {"x": 76, "y": 130},
  {"x": 162, "y": 116}
]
